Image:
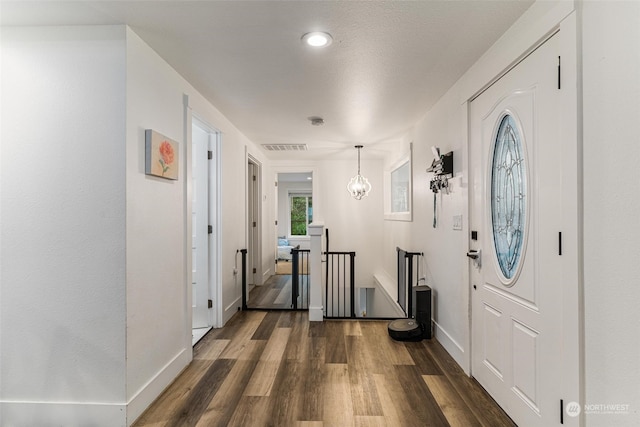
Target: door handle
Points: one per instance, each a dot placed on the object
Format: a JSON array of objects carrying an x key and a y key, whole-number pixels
[
  {"x": 476, "y": 256},
  {"x": 473, "y": 254}
]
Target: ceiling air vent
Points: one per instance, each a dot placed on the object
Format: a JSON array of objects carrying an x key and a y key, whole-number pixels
[{"x": 285, "y": 147}]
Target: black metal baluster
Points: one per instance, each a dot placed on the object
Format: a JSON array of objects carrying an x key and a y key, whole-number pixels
[
  {"x": 353, "y": 283},
  {"x": 244, "y": 278}
]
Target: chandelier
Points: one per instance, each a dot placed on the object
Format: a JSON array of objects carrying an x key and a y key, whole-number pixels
[{"x": 359, "y": 186}]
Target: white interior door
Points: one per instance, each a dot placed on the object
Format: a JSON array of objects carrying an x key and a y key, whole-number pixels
[
  {"x": 516, "y": 205},
  {"x": 200, "y": 228}
]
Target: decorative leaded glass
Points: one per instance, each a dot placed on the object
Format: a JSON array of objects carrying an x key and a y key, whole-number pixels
[{"x": 508, "y": 196}]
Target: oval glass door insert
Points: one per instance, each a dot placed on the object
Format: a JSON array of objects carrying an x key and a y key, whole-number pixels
[{"x": 508, "y": 197}]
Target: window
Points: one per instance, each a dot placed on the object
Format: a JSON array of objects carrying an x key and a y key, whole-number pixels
[
  {"x": 508, "y": 196},
  {"x": 301, "y": 213}
]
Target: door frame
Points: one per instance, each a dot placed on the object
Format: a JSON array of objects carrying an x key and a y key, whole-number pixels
[
  {"x": 284, "y": 167},
  {"x": 254, "y": 256},
  {"x": 572, "y": 237},
  {"x": 215, "y": 215},
  {"x": 215, "y": 274},
  {"x": 200, "y": 171}
]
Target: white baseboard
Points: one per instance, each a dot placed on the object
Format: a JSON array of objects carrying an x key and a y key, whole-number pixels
[
  {"x": 382, "y": 290},
  {"x": 386, "y": 281},
  {"x": 152, "y": 389},
  {"x": 62, "y": 414},
  {"x": 107, "y": 414},
  {"x": 231, "y": 309},
  {"x": 453, "y": 348}
]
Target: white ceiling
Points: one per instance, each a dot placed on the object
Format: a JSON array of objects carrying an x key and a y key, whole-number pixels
[
  {"x": 295, "y": 177},
  {"x": 389, "y": 63}
]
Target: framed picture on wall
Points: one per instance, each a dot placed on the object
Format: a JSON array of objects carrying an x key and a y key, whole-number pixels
[
  {"x": 161, "y": 155},
  {"x": 398, "y": 189}
]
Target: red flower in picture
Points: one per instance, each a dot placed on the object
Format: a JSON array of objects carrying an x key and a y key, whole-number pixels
[{"x": 166, "y": 151}]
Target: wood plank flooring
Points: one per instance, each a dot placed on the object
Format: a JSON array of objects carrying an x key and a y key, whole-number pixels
[
  {"x": 275, "y": 293},
  {"x": 286, "y": 267},
  {"x": 277, "y": 369}
]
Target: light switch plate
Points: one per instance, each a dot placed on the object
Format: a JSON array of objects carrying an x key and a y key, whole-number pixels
[{"x": 457, "y": 222}]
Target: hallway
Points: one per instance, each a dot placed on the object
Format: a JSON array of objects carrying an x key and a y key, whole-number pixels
[{"x": 278, "y": 369}]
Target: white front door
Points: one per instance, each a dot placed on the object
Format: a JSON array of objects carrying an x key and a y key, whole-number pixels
[
  {"x": 200, "y": 226},
  {"x": 516, "y": 204}
]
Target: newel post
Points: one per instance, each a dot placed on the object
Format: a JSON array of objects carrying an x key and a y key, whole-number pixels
[{"x": 316, "y": 309}]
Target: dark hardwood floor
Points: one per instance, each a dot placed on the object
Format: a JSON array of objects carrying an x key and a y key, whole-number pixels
[
  {"x": 278, "y": 369},
  {"x": 275, "y": 293}
]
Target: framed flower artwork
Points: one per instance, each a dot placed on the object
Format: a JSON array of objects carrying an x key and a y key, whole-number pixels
[{"x": 161, "y": 155}]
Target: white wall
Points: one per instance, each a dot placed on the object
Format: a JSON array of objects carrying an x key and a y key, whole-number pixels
[
  {"x": 94, "y": 266},
  {"x": 445, "y": 126},
  {"x": 611, "y": 100},
  {"x": 62, "y": 271},
  {"x": 156, "y": 265},
  {"x": 354, "y": 225},
  {"x": 158, "y": 325},
  {"x": 443, "y": 247}
]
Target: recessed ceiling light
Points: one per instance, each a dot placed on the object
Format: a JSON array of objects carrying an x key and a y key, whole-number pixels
[{"x": 317, "y": 39}]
